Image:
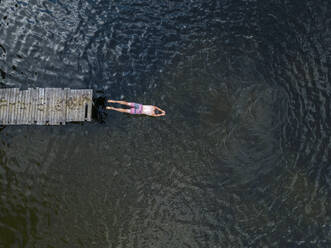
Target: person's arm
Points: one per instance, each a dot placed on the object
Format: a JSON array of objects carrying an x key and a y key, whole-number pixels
[{"x": 162, "y": 112}]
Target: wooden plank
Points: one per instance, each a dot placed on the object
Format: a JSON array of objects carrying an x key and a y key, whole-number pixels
[
  {"x": 31, "y": 106},
  {"x": 8, "y": 93},
  {"x": 33, "y": 100},
  {"x": 71, "y": 109},
  {"x": 80, "y": 102},
  {"x": 63, "y": 107},
  {"x": 47, "y": 92},
  {"x": 49, "y": 105},
  {"x": 68, "y": 102},
  {"x": 27, "y": 102},
  {"x": 4, "y": 104},
  {"x": 50, "y": 112},
  {"x": 37, "y": 112},
  {"x": 79, "y": 105},
  {"x": 14, "y": 119},
  {"x": 28, "y": 107},
  {"x": 23, "y": 106},
  {"x": 76, "y": 105},
  {"x": 83, "y": 104},
  {"x": 10, "y": 107},
  {"x": 59, "y": 106},
  {"x": 89, "y": 112},
  {"x": 43, "y": 119},
  {"x": 52, "y": 100},
  {"x": 39, "y": 106},
  {"x": 56, "y": 110},
  {"x": 21, "y": 118},
  {"x": 16, "y": 106},
  {"x": 52, "y": 104},
  {"x": 35, "y": 106},
  {"x": 55, "y": 119},
  {"x": 1, "y": 105},
  {"x": 28, "y": 97},
  {"x": 56, "y": 106},
  {"x": 42, "y": 106},
  {"x": 19, "y": 109},
  {"x": 73, "y": 105},
  {"x": 6, "y": 107}
]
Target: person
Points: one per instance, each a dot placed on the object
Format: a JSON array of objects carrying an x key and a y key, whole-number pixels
[{"x": 137, "y": 109}]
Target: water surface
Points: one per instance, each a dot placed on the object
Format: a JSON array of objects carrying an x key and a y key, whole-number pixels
[{"x": 240, "y": 160}]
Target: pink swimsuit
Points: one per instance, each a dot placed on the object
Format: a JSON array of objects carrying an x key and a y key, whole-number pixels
[{"x": 136, "y": 108}]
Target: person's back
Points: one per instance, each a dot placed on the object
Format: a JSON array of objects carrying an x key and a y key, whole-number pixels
[{"x": 137, "y": 108}]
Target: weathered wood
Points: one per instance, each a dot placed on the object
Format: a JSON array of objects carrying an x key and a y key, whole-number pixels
[
  {"x": 23, "y": 106},
  {"x": 5, "y": 107},
  {"x": 44, "y": 106},
  {"x": 1, "y": 105}
]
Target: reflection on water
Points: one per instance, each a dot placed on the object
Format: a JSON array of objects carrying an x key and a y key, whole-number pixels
[{"x": 240, "y": 160}]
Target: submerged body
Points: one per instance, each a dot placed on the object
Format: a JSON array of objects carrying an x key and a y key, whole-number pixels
[{"x": 137, "y": 108}]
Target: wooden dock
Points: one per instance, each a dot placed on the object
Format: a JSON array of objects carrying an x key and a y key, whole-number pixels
[{"x": 45, "y": 106}]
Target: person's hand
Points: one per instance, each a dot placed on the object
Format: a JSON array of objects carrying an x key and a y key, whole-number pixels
[{"x": 161, "y": 114}]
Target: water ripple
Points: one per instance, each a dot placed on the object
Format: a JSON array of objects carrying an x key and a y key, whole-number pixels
[{"x": 241, "y": 159}]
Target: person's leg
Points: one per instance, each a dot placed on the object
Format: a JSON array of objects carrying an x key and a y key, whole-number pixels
[
  {"x": 120, "y": 102},
  {"x": 119, "y": 109}
]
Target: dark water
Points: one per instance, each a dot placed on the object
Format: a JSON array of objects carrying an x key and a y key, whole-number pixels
[{"x": 242, "y": 158}]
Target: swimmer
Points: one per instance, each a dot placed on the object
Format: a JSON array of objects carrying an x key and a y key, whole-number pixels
[{"x": 137, "y": 109}]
